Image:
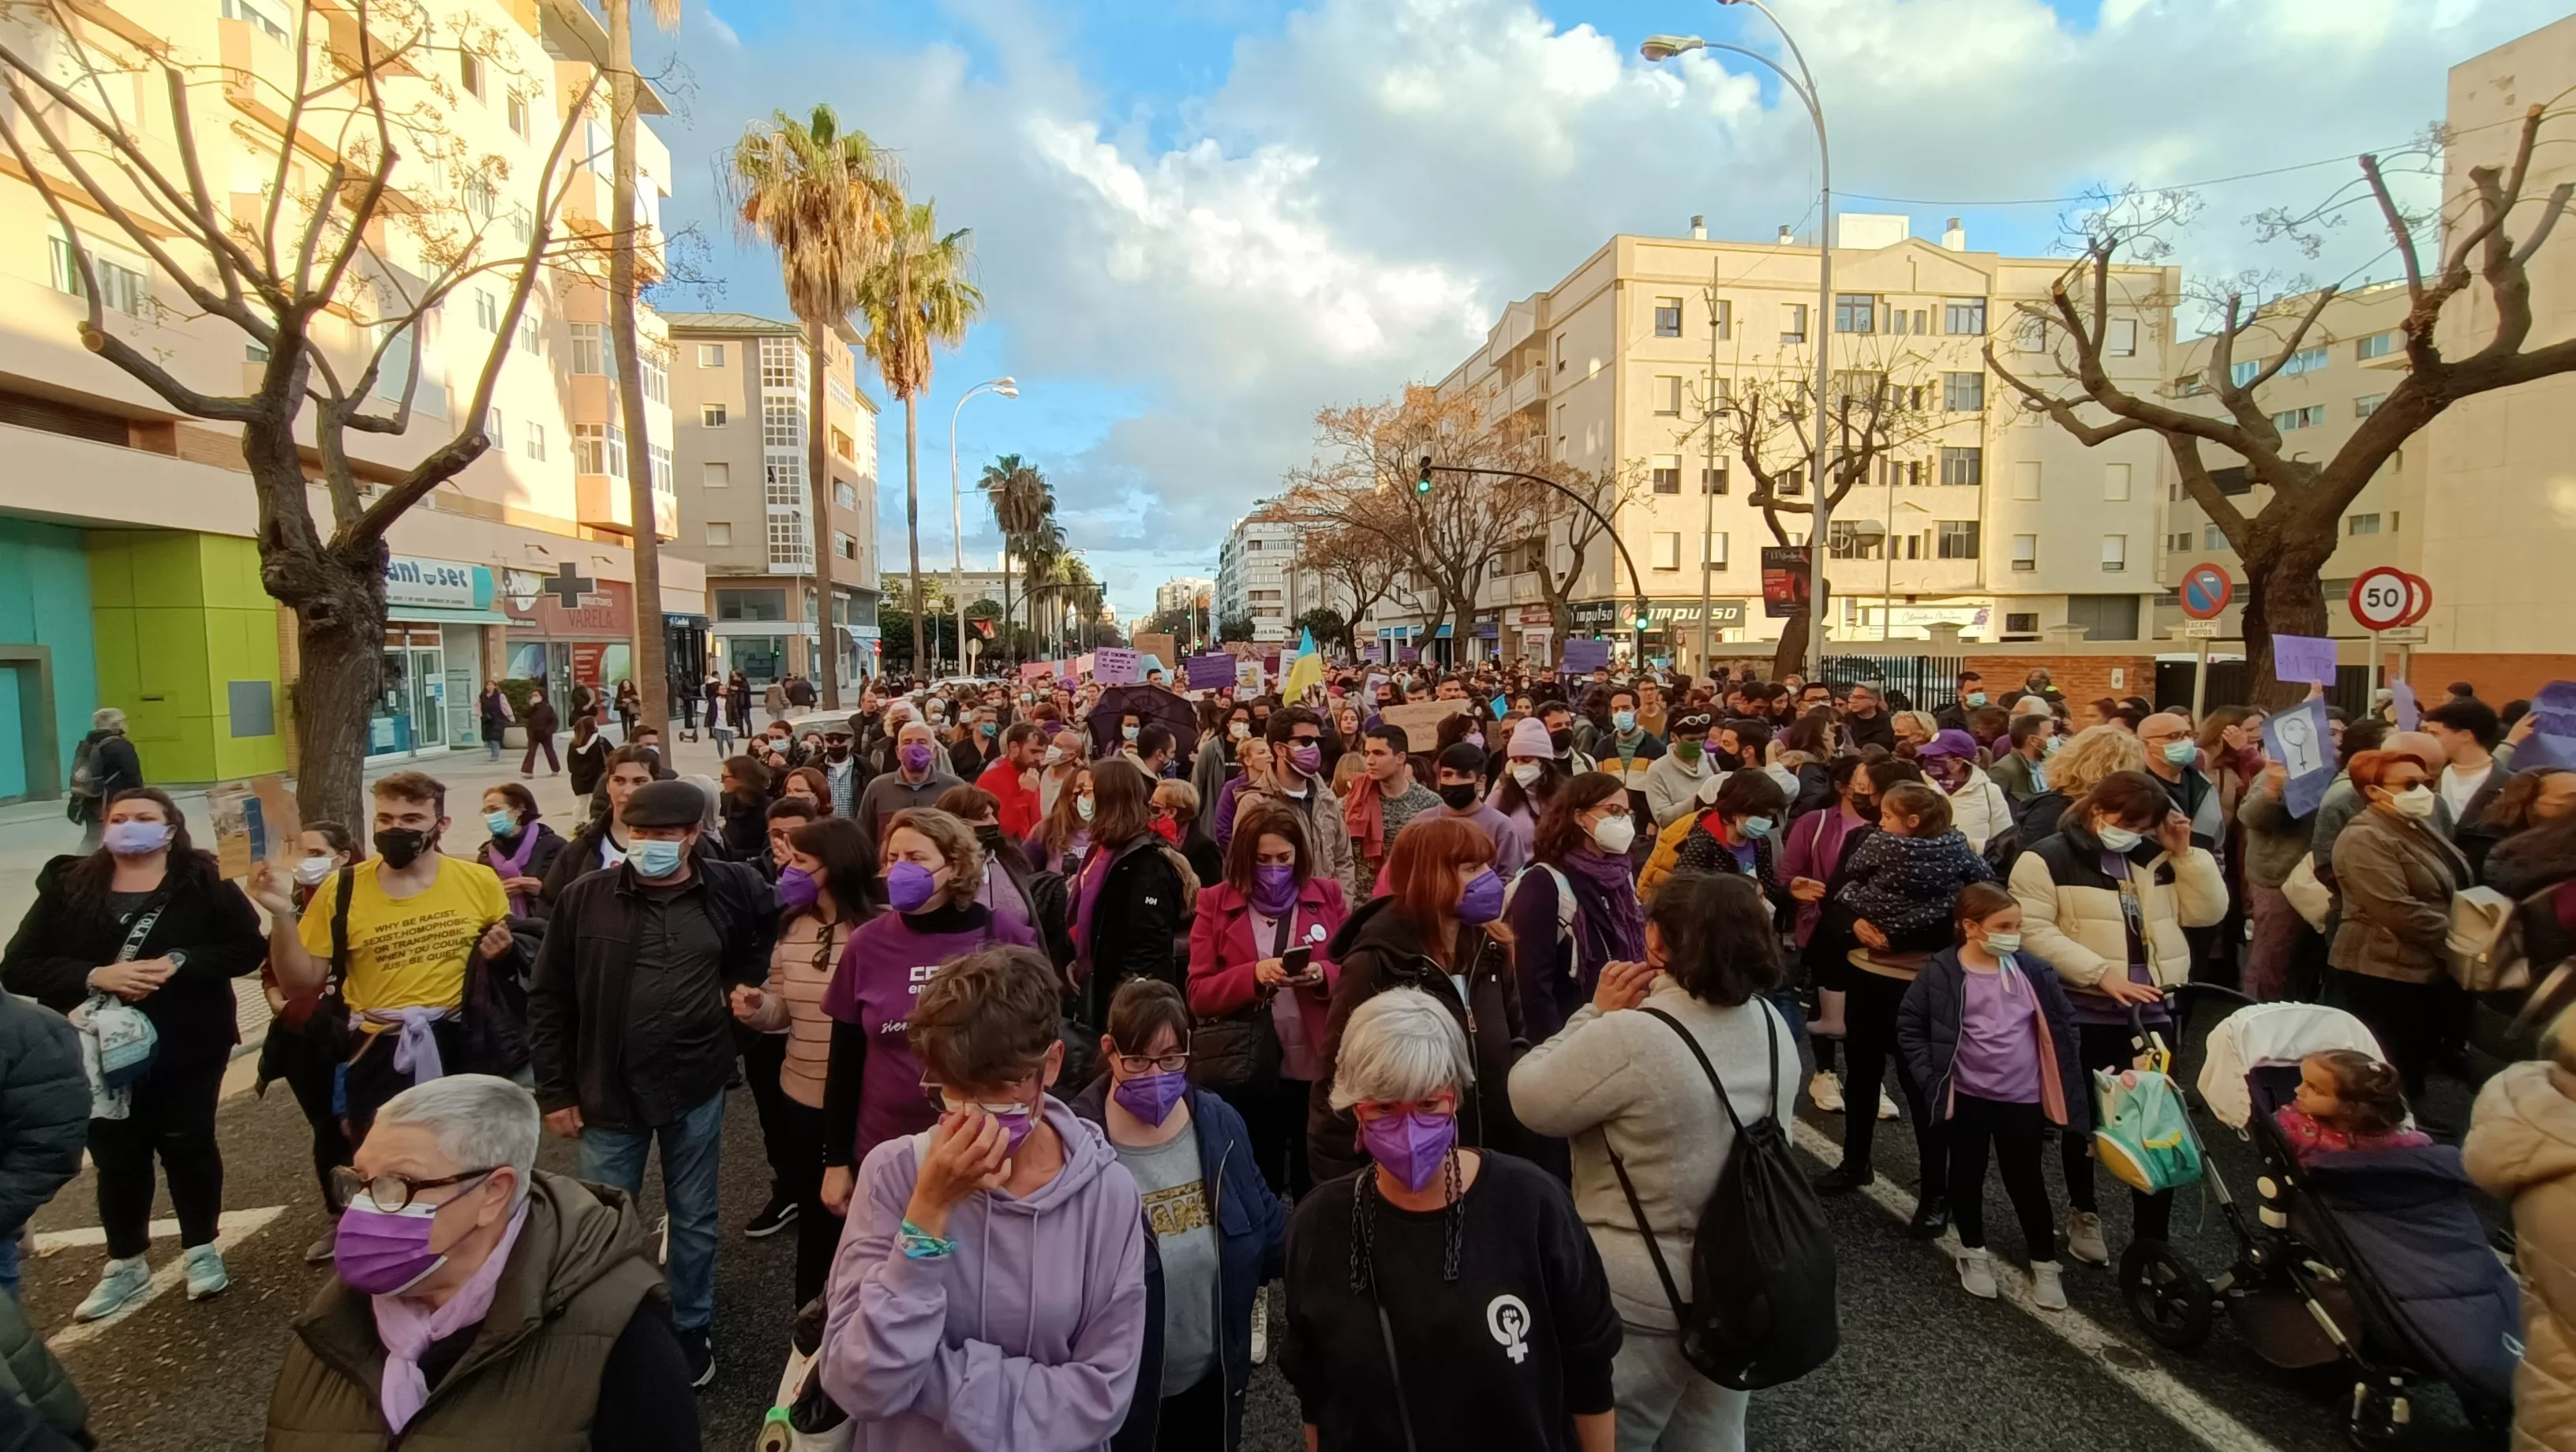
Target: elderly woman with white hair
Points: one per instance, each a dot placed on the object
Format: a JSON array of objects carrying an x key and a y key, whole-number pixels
[
  {"x": 480, "y": 1302},
  {"x": 111, "y": 765},
  {"x": 1441, "y": 1297}
]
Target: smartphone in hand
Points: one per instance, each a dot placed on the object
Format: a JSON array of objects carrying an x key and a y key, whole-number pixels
[{"x": 1299, "y": 964}]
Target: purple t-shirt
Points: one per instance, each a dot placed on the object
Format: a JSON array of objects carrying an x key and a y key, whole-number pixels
[
  {"x": 1998, "y": 1039},
  {"x": 881, "y": 972},
  {"x": 2099, "y": 1009}
]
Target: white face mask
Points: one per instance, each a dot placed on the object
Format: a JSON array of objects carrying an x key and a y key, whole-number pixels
[
  {"x": 2003, "y": 944},
  {"x": 1055, "y": 756},
  {"x": 2118, "y": 838},
  {"x": 1527, "y": 773},
  {"x": 310, "y": 871},
  {"x": 2414, "y": 803},
  {"x": 1614, "y": 835}
]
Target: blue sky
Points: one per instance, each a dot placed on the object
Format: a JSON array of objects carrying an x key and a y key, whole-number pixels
[{"x": 1198, "y": 221}]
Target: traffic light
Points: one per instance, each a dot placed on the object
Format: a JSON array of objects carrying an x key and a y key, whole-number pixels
[{"x": 1422, "y": 481}]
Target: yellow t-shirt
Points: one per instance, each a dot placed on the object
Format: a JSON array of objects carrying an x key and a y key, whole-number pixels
[{"x": 409, "y": 952}]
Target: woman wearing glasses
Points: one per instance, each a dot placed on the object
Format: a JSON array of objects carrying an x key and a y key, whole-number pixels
[
  {"x": 1217, "y": 1228},
  {"x": 991, "y": 1289}
]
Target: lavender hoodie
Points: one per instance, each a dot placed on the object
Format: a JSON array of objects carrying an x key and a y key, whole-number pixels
[{"x": 1025, "y": 1340}]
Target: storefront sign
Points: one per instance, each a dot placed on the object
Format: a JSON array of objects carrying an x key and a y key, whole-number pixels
[
  {"x": 586, "y": 662},
  {"x": 411, "y": 580},
  {"x": 607, "y": 613},
  {"x": 1617, "y": 616}
]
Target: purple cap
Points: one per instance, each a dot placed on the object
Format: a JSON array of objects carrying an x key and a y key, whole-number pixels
[{"x": 1948, "y": 743}]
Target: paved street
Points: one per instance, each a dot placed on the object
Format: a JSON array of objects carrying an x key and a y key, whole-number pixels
[{"x": 1922, "y": 1366}]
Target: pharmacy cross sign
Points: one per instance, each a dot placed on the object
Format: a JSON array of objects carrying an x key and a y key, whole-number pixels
[{"x": 567, "y": 586}]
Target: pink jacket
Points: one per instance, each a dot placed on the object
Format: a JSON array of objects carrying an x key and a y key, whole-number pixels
[{"x": 1222, "y": 950}]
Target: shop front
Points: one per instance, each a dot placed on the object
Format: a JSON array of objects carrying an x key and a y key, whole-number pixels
[
  {"x": 568, "y": 631},
  {"x": 1672, "y": 625},
  {"x": 435, "y": 614}
]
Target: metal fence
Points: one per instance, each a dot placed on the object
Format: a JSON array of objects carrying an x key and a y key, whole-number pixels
[
  {"x": 2231, "y": 683},
  {"x": 1926, "y": 681}
]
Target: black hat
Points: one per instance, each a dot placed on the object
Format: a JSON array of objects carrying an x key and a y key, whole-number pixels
[{"x": 665, "y": 804}]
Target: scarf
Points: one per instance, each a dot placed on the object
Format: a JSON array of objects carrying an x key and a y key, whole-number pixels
[
  {"x": 513, "y": 863},
  {"x": 1364, "y": 814},
  {"x": 1088, "y": 881},
  {"x": 408, "y": 1329},
  {"x": 1610, "y": 920}
]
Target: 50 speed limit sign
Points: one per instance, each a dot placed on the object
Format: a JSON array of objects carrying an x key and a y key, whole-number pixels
[{"x": 2386, "y": 598}]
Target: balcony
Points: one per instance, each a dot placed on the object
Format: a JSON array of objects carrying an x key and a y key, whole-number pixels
[{"x": 601, "y": 501}]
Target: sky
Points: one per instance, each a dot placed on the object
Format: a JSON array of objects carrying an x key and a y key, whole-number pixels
[{"x": 1196, "y": 222}]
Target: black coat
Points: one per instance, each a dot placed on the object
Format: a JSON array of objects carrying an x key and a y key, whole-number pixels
[
  {"x": 634, "y": 1047},
  {"x": 44, "y": 1108},
  {"x": 207, "y": 919},
  {"x": 1133, "y": 926},
  {"x": 1877, "y": 731},
  {"x": 1927, "y": 1030},
  {"x": 113, "y": 767}
]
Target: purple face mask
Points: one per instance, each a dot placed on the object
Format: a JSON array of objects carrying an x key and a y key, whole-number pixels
[
  {"x": 1482, "y": 902},
  {"x": 1150, "y": 1097},
  {"x": 796, "y": 889},
  {"x": 1307, "y": 759},
  {"x": 1411, "y": 1145},
  {"x": 1274, "y": 888},
  {"x": 916, "y": 756},
  {"x": 909, "y": 887},
  {"x": 381, "y": 1252}
]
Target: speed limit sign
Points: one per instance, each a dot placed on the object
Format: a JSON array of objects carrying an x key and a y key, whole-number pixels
[{"x": 2383, "y": 599}]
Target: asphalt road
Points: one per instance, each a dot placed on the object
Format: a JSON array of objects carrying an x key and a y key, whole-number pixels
[{"x": 1922, "y": 1365}]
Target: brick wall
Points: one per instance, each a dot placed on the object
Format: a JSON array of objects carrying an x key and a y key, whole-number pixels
[
  {"x": 2081, "y": 678},
  {"x": 2499, "y": 678}
]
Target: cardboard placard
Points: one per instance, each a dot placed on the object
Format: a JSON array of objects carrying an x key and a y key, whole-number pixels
[
  {"x": 1420, "y": 720},
  {"x": 1157, "y": 645},
  {"x": 1247, "y": 676},
  {"x": 1112, "y": 666},
  {"x": 1037, "y": 670},
  {"x": 1082, "y": 665},
  {"x": 254, "y": 821},
  {"x": 2308, "y": 659}
]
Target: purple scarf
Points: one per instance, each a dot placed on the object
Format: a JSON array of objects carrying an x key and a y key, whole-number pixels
[
  {"x": 514, "y": 864},
  {"x": 1088, "y": 881},
  {"x": 1610, "y": 922}
]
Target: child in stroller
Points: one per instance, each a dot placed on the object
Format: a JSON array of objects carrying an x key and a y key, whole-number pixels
[
  {"x": 2371, "y": 1256},
  {"x": 2347, "y": 1102}
]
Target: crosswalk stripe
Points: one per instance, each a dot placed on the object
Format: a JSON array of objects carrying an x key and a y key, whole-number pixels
[
  {"x": 232, "y": 1229},
  {"x": 2204, "y": 1420}
]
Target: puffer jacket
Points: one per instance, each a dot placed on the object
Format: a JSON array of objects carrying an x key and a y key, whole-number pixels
[
  {"x": 1979, "y": 809},
  {"x": 44, "y": 1108},
  {"x": 31, "y": 1377},
  {"x": 2522, "y": 1148},
  {"x": 2071, "y": 908},
  {"x": 2394, "y": 880}
]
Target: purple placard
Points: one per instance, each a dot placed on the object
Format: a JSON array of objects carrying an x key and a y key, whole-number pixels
[
  {"x": 1584, "y": 655},
  {"x": 1407, "y": 654},
  {"x": 2410, "y": 712},
  {"x": 1210, "y": 671},
  {"x": 2309, "y": 659},
  {"x": 2299, "y": 741}
]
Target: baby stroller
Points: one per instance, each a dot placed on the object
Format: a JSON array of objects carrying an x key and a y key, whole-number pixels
[{"x": 2373, "y": 1259}]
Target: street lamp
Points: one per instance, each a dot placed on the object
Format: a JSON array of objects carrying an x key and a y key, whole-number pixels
[
  {"x": 1803, "y": 86},
  {"x": 1008, "y": 388}
]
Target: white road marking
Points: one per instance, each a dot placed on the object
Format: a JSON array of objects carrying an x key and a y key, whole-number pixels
[
  {"x": 2204, "y": 1420},
  {"x": 232, "y": 1229}
]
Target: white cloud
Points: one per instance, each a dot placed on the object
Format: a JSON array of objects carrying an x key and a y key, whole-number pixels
[{"x": 1371, "y": 183}]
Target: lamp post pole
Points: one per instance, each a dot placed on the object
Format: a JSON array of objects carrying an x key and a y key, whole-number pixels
[
  {"x": 1008, "y": 388},
  {"x": 1634, "y": 578}
]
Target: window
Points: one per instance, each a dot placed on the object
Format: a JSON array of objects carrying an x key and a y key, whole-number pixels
[
  {"x": 2232, "y": 480},
  {"x": 711, "y": 355},
  {"x": 2368, "y": 404},
  {"x": 1717, "y": 550},
  {"x": 2300, "y": 418},
  {"x": 537, "y": 442},
  {"x": 2191, "y": 385},
  {"x": 1855, "y": 312},
  {"x": 1964, "y": 317},
  {"x": 1668, "y": 550},
  {"x": 472, "y": 73},
  {"x": 256, "y": 13},
  {"x": 1722, "y": 321},
  {"x": 487, "y": 311},
  {"x": 2115, "y": 553},
  {"x": 519, "y": 115},
  {"x": 715, "y": 474},
  {"x": 711, "y": 415},
  {"x": 1560, "y": 352},
  {"x": 2021, "y": 622},
  {"x": 2304, "y": 361},
  {"x": 843, "y": 448},
  {"x": 1860, "y": 389},
  {"x": 1793, "y": 322},
  {"x": 1668, "y": 473},
  {"x": 482, "y": 199},
  {"x": 844, "y": 546},
  {"x": 2377, "y": 345},
  {"x": 2025, "y": 479},
  {"x": 657, "y": 468},
  {"x": 2121, "y": 341},
  {"x": 751, "y": 604},
  {"x": 1792, "y": 483},
  {"x": 845, "y": 494},
  {"x": 2115, "y": 483},
  {"x": 2242, "y": 372},
  {"x": 2104, "y": 617},
  {"x": 589, "y": 350},
  {"x": 657, "y": 379},
  {"x": 1958, "y": 539},
  {"x": 2025, "y": 555},
  {"x": 2362, "y": 524},
  {"x": 2031, "y": 336},
  {"x": 1667, "y": 394},
  {"x": 599, "y": 449},
  {"x": 1963, "y": 392},
  {"x": 494, "y": 428},
  {"x": 719, "y": 532},
  {"x": 1712, "y": 480},
  {"x": 528, "y": 335},
  {"x": 2212, "y": 537},
  {"x": 1963, "y": 466},
  {"x": 1846, "y": 542},
  {"x": 782, "y": 425},
  {"x": 125, "y": 288},
  {"x": 1668, "y": 317}
]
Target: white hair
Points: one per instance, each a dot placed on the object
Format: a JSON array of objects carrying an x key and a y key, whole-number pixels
[
  {"x": 2031, "y": 706},
  {"x": 1400, "y": 1046},
  {"x": 482, "y": 1122},
  {"x": 107, "y": 718},
  {"x": 707, "y": 786}
]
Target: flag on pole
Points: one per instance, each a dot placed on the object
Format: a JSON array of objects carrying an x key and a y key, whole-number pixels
[{"x": 1305, "y": 672}]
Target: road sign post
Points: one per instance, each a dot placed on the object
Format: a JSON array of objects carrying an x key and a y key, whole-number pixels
[
  {"x": 2205, "y": 593},
  {"x": 2385, "y": 599}
]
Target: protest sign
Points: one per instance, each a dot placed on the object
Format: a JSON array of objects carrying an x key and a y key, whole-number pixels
[
  {"x": 1111, "y": 666},
  {"x": 1158, "y": 645},
  {"x": 2410, "y": 712},
  {"x": 1247, "y": 676},
  {"x": 1420, "y": 720},
  {"x": 1210, "y": 671},
  {"x": 2308, "y": 659},
  {"x": 2297, "y": 738},
  {"x": 254, "y": 821},
  {"x": 1585, "y": 655}
]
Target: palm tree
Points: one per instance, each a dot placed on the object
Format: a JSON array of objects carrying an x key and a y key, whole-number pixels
[
  {"x": 1021, "y": 499},
  {"x": 825, "y": 198},
  {"x": 652, "y": 672},
  {"x": 916, "y": 296}
]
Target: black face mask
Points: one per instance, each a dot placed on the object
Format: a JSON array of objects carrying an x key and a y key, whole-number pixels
[
  {"x": 400, "y": 847},
  {"x": 990, "y": 836},
  {"x": 1562, "y": 740},
  {"x": 838, "y": 751},
  {"x": 1459, "y": 797}
]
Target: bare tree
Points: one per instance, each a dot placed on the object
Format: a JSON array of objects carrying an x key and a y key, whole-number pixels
[
  {"x": 328, "y": 274},
  {"x": 2476, "y": 264},
  {"x": 1567, "y": 515},
  {"x": 1354, "y": 538}
]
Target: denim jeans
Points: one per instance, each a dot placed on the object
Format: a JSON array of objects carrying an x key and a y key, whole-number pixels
[
  {"x": 9, "y": 1261},
  {"x": 689, "y": 1145},
  {"x": 1666, "y": 1406}
]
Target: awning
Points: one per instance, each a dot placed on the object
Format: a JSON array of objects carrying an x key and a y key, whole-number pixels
[{"x": 427, "y": 615}]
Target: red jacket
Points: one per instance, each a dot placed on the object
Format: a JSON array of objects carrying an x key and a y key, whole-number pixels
[
  {"x": 1222, "y": 950},
  {"x": 1019, "y": 803}
]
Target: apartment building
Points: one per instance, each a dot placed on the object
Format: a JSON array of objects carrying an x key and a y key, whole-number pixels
[
  {"x": 1982, "y": 516},
  {"x": 1182, "y": 592},
  {"x": 2340, "y": 373},
  {"x": 128, "y": 572},
  {"x": 744, "y": 396},
  {"x": 1257, "y": 579}
]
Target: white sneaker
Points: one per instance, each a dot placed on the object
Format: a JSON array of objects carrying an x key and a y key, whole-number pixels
[
  {"x": 1827, "y": 1092},
  {"x": 2084, "y": 1238},
  {"x": 1260, "y": 1326},
  {"x": 206, "y": 1278},
  {"x": 2047, "y": 1288},
  {"x": 1977, "y": 1274},
  {"x": 121, "y": 1285},
  {"x": 1886, "y": 1106}
]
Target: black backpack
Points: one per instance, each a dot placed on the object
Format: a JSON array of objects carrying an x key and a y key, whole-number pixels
[{"x": 1762, "y": 1307}]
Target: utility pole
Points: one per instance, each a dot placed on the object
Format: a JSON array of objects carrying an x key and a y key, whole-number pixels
[{"x": 1708, "y": 470}]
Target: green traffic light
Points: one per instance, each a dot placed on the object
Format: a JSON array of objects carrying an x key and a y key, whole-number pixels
[{"x": 1422, "y": 480}]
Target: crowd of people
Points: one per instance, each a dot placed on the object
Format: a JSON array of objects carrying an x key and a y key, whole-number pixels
[{"x": 1075, "y": 1016}]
